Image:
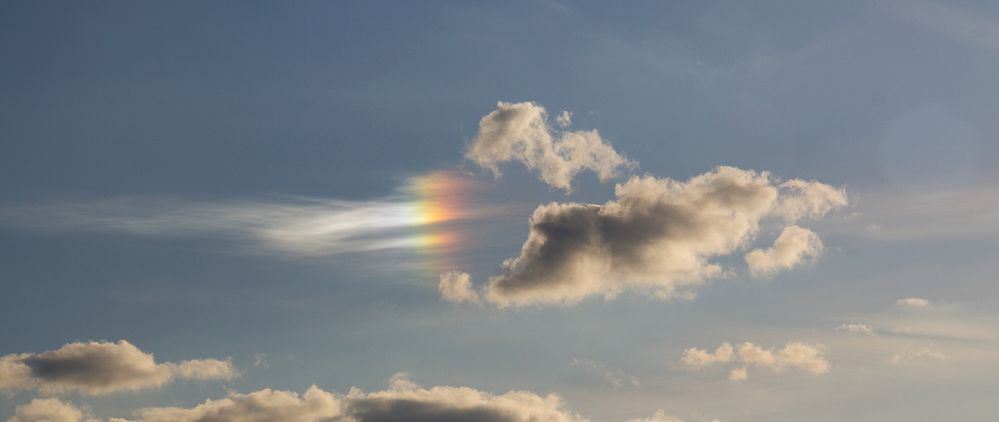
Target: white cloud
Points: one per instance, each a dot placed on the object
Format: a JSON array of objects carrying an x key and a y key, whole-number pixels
[
  {"x": 411, "y": 402},
  {"x": 794, "y": 354},
  {"x": 266, "y": 405},
  {"x": 738, "y": 374},
  {"x": 697, "y": 358},
  {"x": 520, "y": 132},
  {"x": 658, "y": 236},
  {"x": 48, "y": 410},
  {"x": 792, "y": 246},
  {"x": 96, "y": 368},
  {"x": 912, "y": 303},
  {"x": 564, "y": 119},
  {"x": 456, "y": 287}
]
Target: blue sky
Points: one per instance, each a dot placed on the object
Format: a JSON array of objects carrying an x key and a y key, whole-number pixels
[{"x": 257, "y": 182}]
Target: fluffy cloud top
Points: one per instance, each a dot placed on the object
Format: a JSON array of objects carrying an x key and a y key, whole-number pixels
[
  {"x": 792, "y": 246},
  {"x": 402, "y": 401},
  {"x": 520, "y": 132},
  {"x": 795, "y": 354},
  {"x": 100, "y": 368},
  {"x": 658, "y": 236},
  {"x": 47, "y": 410}
]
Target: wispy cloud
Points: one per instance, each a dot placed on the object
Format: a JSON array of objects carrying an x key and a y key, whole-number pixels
[{"x": 414, "y": 217}]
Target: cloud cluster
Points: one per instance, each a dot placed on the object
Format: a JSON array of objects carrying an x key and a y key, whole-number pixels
[
  {"x": 792, "y": 246},
  {"x": 795, "y": 354},
  {"x": 402, "y": 401},
  {"x": 96, "y": 368},
  {"x": 659, "y": 236},
  {"x": 520, "y": 132}
]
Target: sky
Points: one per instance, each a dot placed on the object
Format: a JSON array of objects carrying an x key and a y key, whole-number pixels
[{"x": 498, "y": 211}]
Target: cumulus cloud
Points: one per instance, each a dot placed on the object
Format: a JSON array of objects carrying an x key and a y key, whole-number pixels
[
  {"x": 794, "y": 354},
  {"x": 406, "y": 401},
  {"x": 456, "y": 287},
  {"x": 520, "y": 132},
  {"x": 96, "y": 368},
  {"x": 265, "y": 405},
  {"x": 564, "y": 119},
  {"x": 808, "y": 199},
  {"x": 696, "y": 358},
  {"x": 403, "y": 400},
  {"x": 792, "y": 246},
  {"x": 912, "y": 303},
  {"x": 48, "y": 410},
  {"x": 658, "y": 236}
]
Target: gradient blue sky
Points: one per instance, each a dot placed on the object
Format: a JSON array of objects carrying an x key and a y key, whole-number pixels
[{"x": 122, "y": 104}]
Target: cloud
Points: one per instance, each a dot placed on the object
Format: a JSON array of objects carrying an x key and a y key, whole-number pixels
[
  {"x": 291, "y": 226},
  {"x": 659, "y": 416},
  {"x": 808, "y": 199},
  {"x": 912, "y": 303},
  {"x": 96, "y": 368},
  {"x": 265, "y": 405},
  {"x": 863, "y": 329},
  {"x": 792, "y": 246},
  {"x": 520, "y": 132},
  {"x": 916, "y": 355},
  {"x": 404, "y": 400},
  {"x": 456, "y": 287},
  {"x": 696, "y": 358},
  {"x": 658, "y": 236},
  {"x": 48, "y": 410},
  {"x": 794, "y": 354},
  {"x": 564, "y": 119}
]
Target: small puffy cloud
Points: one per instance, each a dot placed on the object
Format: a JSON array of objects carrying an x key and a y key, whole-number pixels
[
  {"x": 266, "y": 405},
  {"x": 48, "y": 410},
  {"x": 456, "y": 287},
  {"x": 792, "y": 246},
  {"x": 520, "y": 132},
  {"x": 794, "y": 354},
  {"x": 658, "y": 236},
  {"x": 564, "y": 119},
  {"x": 260, "y": 360},
  {"x": 863, "y": 329},
  {"x": 738, "y": 374},
  {"x": 697, "y": 358},
  {"x": 912, "y": 303},
  {"x": 100, "y": 368}
]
